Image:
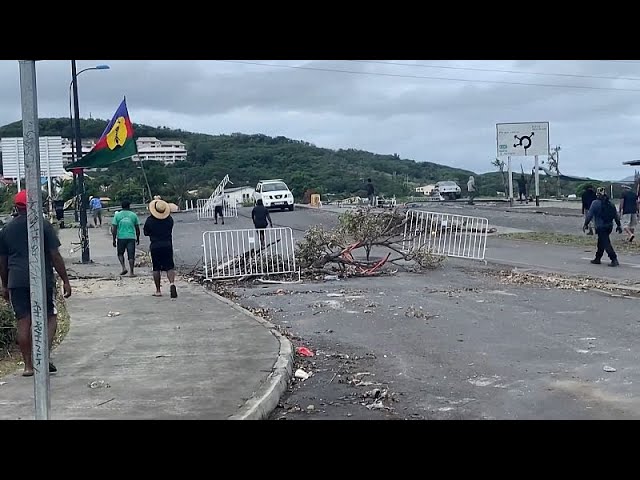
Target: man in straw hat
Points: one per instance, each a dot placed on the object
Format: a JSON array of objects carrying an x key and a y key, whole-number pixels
[
  {"x": 14, "y": 271},
  {"x": 159, "y": 228}
]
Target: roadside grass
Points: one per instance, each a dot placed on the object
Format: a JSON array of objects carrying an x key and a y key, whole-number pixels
[{"x": 587, "y": 241}]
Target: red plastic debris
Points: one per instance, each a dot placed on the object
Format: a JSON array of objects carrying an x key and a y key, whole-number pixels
[{"x": 304, "y": 351}]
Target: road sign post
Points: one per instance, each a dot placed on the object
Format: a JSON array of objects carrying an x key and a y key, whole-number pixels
[
  {"x": 523, "y": 140},
  {"x": 510, "y": 182},
  {"x": 37, "y": 273}
]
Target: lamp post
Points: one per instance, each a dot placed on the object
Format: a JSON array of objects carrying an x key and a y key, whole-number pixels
[
  {"x": 75, "y": 182},
  {"x": 84, "y": 234}
]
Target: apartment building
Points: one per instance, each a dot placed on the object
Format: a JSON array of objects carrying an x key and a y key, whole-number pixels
[
  {"x": 68, "y": 150},
  {"x": 150, "y": 149}
]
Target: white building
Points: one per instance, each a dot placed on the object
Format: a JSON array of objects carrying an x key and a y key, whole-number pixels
[
  {"x": 150, "y": 149},
  {"x": 238, "y": 195},
  {"x": 425, "y": 190},
  {"x": 68, "y": 148}
]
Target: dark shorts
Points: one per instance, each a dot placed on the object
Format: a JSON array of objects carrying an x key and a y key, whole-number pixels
[
  {"x": 162, "y": 259},
  {"x": 128, "y": 245},
  {"x": 218, "y": 210},
  {"x": 21, "y": 302}
]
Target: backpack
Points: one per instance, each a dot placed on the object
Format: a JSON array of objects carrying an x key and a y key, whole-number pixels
[{"x": 608, "y": 211}]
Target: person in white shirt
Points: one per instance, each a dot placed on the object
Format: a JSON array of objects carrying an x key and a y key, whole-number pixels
[{"x": 218, "y": 202}]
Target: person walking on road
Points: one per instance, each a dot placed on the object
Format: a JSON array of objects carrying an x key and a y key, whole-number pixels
[
  {"x": 126, "y": 235},
  {"x": 588, "y": 196},
  {"x": 261, "y": 218},
  {"x": 370, "y": 193},
  {"x": 16, "y": 287},
  {"x": 159, "y": 228},
  {"x": 218, "y": 208},
  {"x": 96, "y": 210},
  {"x": 471, "y": 188},
  {"x": 629, "y": 211},
  {"x": 522, "y": 189},
  {"x": 603, "y": 213}
]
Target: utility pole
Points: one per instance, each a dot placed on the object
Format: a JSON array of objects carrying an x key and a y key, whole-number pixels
[
  {"x": 37, "y": 272},
  {"x": 84, "y": 234},
  {"x": 553, "y": 166}
]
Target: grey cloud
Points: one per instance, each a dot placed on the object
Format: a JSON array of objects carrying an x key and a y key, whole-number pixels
[{"x": 442, "y": 121}]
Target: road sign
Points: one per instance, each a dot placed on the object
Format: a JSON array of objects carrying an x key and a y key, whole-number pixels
[{"x": 522, "y": 139}]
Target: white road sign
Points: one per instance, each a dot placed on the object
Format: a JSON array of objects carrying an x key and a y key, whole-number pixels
[
  {"x": 522, "y": 139},
  {"x": 50, "y": 157}
]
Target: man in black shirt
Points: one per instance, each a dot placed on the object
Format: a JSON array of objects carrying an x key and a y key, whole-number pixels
[
  {"x": 260, "y": 216},
  {"x": 16, "y": 286},
  {"x": 159, "y": 228},
  {"x": 629, "y": 211},
  {"x": 588, "y": 196},
  {"x": 370, "y": 191}
]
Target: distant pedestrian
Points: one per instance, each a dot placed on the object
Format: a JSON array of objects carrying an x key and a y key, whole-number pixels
[
  {"x": 603, "y": 213},
  {"x": 159, "y": 228},
  {"x": 261, "y": 218},
  {"x": 522, "y": 189},
  {"x": 16, "y": 286},
  {"x": 96, "y": 210},
  {"x": 126, "y": 235},
  {"x": 629, "y": 211},
  {"x": 588, "y": 196},
  {"x": 471, "y": 188},
  {"x": 370, "y": 193},
  {"x": 218, "y": 208}
]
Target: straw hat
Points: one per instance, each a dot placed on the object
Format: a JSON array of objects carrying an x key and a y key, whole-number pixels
[{"x": 159, "y": 209}]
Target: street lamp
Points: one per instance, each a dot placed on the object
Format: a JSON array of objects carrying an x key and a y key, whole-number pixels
[
  {"x": 84, "y": 237},
  {"x": 75, "y": 189}
]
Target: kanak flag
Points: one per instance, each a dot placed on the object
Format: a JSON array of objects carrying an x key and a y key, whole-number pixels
[{"x": 115, "y": 144}]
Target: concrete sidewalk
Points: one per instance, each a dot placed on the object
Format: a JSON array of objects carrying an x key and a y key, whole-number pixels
[{"x": 196, "y": 357}]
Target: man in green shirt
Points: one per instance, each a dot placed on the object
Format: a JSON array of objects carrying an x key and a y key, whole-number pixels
[{"x": 126, "y": 235}]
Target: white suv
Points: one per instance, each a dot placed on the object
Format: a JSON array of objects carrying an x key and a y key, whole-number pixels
[
  {"x": 449, "y": 189},
  {"x": 274, "y": 194}
]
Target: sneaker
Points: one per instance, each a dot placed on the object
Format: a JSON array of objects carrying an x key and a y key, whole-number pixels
[
  {"x": 614, "y": 263},
  {"x": 52, "y": 368},
  {"x": 595, "y": 261}
]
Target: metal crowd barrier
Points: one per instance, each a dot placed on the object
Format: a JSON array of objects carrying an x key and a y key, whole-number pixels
[
  {"x": 238, "y": 253},
  {"x": 446, "y": 234}
]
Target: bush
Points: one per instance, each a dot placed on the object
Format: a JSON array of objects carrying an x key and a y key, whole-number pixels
[{"x": 7, "y": 327}]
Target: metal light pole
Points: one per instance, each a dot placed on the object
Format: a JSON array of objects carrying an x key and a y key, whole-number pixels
[
  {"x": 37, "y": 272},
  {"x": 73, "y": 156},
  {"x": 84, "y": 234}
]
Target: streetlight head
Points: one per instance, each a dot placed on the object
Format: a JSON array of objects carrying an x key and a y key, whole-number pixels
[{"x": 102, "y": 67}]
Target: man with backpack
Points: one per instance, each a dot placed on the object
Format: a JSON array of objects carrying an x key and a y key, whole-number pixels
[{"x": 603, "y": 213}]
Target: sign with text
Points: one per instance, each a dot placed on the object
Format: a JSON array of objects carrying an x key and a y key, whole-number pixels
[{"x": 522, "y": 139}]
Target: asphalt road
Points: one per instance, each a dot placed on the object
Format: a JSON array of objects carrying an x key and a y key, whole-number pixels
[{"x": 457, "y": 344}]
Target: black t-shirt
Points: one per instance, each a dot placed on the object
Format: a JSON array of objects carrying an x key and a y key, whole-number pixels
[
  {"x": 370, "y": 189},
  {"x": 14, "y": 244},
  {"x": 159, "y": 232},
  {"x": 260, "y": 216},
  {"x": 630, "y": 204}
]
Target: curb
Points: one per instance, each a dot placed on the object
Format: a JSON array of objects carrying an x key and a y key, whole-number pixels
[{"x": 266, "y": 398}]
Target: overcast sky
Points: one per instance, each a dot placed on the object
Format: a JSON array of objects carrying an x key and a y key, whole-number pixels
[{"x": 370, "y": 105}]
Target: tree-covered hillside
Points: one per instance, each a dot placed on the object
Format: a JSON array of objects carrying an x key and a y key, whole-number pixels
[{"x": 249, "y": 158}]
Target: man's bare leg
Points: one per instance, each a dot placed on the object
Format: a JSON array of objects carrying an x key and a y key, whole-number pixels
[
  {"x": 124, "y": 269},
  {"x": 171, "y": 276},
  {"x": 24, "y": 342},
  {"x": 156, "y": 280}
]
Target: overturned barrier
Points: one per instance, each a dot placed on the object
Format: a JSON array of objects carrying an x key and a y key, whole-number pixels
[
  {"x": 240, "y": 253},
  {"x": 446, "y": 234}
]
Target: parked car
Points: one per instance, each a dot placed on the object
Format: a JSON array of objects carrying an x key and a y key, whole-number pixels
[
  {"x": 449, "y": 189},
  {"x": 274, "y": 194}
]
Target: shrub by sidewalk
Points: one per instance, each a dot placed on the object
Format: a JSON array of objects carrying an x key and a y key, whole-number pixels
[{"x": 10, "y": 357}]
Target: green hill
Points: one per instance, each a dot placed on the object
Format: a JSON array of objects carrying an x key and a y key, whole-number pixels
[{"x": 249, "y": 158}]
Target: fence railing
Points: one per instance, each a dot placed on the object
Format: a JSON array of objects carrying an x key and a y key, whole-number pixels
[
  {"x": 446, "y": 234},
  {"x": 206, "y": 209},
  {"x": 245, "y": 252}
]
